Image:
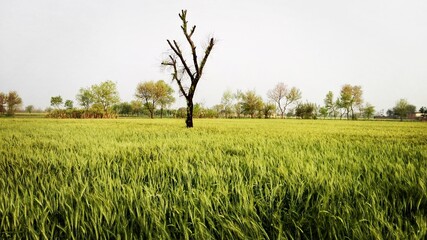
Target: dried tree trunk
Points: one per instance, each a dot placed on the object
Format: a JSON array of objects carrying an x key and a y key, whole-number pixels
[{"x": 189, "y": 120}]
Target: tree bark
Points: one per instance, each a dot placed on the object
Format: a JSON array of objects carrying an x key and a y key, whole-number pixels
[{"x": 189, "y": 120}]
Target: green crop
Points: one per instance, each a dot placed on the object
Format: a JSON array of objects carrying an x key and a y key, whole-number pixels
[{"x": 225, "y": 179}]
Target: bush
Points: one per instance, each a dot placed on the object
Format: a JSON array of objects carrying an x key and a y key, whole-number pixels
[{"x": 79, "y": 113}]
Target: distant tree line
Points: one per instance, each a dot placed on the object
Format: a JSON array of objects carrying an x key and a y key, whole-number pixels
[
  {"x": 403, "y": 109},
  {"x": 154, "y": 98},
  {"x": 283, "y": 101},
  {"x": 103, "y": 101},
  {"x": 96, "y": 102}
]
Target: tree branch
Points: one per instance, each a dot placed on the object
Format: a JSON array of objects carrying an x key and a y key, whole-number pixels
[
  {"x": 175, "y": 75},
  {"x": 178, "y": 52},
  {"x": 193, "y": 49},
  {"x": 183, "y": 17},
  {"x": 205, "y": 58}
]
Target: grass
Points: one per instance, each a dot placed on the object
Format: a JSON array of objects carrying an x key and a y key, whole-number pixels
[{"x": 238, "y": 179}]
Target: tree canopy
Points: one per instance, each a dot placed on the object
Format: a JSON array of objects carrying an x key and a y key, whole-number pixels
[
  {"x": 56, "y": 101},
  {"x": 9, "y": 103},
  {"x": 350, "y": 98},
  {"x": 153, "y": 94},
  {"x": 105, "y": 95},
  {"x": 85, "y": 98},
  {"x": 251, "y": 103}
]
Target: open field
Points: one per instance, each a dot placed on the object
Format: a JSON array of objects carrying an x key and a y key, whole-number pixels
[{"x": 232, "y": 179}]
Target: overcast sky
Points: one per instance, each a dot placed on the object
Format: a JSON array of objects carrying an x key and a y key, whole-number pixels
[{"x": 56, "y": 47}]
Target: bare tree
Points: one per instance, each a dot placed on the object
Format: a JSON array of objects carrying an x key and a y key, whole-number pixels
[
  {"x": 283, "y": 96},
  {"x": 181, "y": 69},
  {"x": 277, "y": 94}
]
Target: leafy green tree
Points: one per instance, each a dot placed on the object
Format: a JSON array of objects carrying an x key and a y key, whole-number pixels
[
  {"x": 306, "y": 110},
  {"x": 269, "y": 109},
  {"x": 351, "y": 98},
  {"x": 97, "y": 109},
  {"x": 357, "y": 101},
  {"x": 219, "y": 109},
  {"x": 85, "y": 98},
  {"x": 137, "y": 107},
  {"x": 56, "y": 101},
  {"x": 423, "y": 111},
  {"x": 29, "y": 108},
  {"x": 181, "y": 112},
  {"x": 340, "y": 108},
  {"x": 13, "y": 102},
  {"x": 411, "y": 109},
  {"x": 211, "y": 113},
  {"x": 403, "y": 108},
  {"x": 68, "y": 104},
  {"x": 345, "y": 100},
  {"x": 324, "y": 112},
  {"x": 3, "y": 101},
  {"x": 251, "y": 103},
  {"x": 198, "y": 110},
  {"x": 237, "y": 106},
  {"x": 123, "y": 108},
  {"x": 227, "y": 103},
  {"x": 153, "y": 94},
  {"x": 147, "y": 93},
  {"x": 165, "y": 93},
  {"x": 164, "y": 103},
  {"x": 183, "y": 69},
  {"x": 105, "y": 95},
  {"x": 292, "y": 97},
  {"x": 330, "y": 104},
  {"x": 368, "y": 110}
]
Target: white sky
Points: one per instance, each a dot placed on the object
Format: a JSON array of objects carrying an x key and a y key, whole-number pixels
[{"x": 55, "y": 47}]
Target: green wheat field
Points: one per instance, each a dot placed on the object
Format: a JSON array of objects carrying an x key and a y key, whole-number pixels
[{"x": 224, "y": 179}]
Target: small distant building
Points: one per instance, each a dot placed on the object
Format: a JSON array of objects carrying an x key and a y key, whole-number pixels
[{"x": 416, "y": 115}]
